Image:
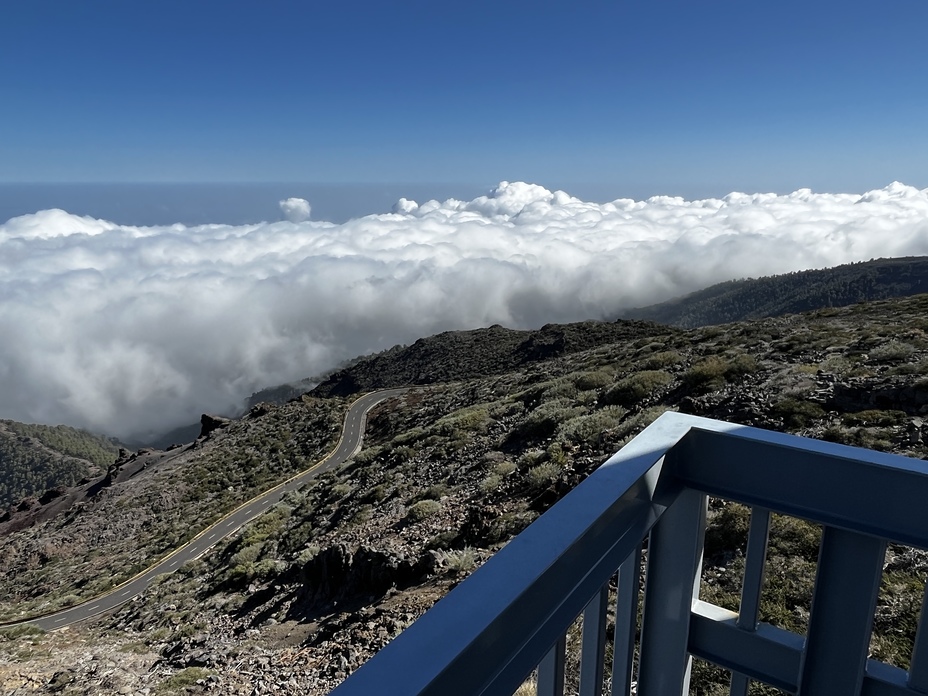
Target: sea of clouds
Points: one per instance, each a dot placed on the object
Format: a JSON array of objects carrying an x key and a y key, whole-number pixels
[{"x": 134, "y": 330}]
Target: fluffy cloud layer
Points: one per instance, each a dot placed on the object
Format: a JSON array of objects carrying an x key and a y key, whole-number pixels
[{"x": 127, "y": 330}]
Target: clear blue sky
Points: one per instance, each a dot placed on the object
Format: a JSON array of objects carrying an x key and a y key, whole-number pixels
[{"x": 680, "y": 97}]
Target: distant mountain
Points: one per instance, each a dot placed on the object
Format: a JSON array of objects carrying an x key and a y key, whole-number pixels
[
  {"x": 756, "y": 298},
  {"x": 34, "y": 458}
]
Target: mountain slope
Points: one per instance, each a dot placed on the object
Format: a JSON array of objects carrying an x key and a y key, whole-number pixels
[
  {"x": 34, "y": 458},
  {"x": 449, "y": 473},
  {"x": 740, "y": 300}
]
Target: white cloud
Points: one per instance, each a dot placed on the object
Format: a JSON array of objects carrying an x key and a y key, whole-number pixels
[
  {"x": 129, "y": 329},
  {"x": 295, "y": 209}
]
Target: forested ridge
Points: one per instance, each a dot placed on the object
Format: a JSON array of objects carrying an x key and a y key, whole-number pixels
[
  {"x": 791, "y": 293},
  {"x": 34, "y": 458}
]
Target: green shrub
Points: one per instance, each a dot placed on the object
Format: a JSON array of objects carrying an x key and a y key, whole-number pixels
[
  {"x": 530, "y": 458},
  {"x": 798, "y": 413},
  {"x": 504, "y": 468},
  {"x": 874, "y": 417},
  {"x": 589, "y": 428},
  {"x": 508, "y": 525},
  {"x": 377, "y": 494},
  {"x": 470, "y": 419},
  {"x": 635, "y": 387},
  {"x": 728, "y": 530},
  {"x": 544, "y": 420},
  {"x": 542, "y": 475},
  {"x": 435, "y": 492},
  {"x": 491, "y": 483},
  {"x": 181, "y": 680},
  {"x": 422, "y": 510},
  {"x": 665, "y": 358},
  {"x": 597, "y": 379},
  {"x": 707, "y": 375},
  {"x": 740, "y": 365},
  {"x": 364, "y": 513},
  {"x": 892, "y": 352},
  {"x": 458, "y": 561}
]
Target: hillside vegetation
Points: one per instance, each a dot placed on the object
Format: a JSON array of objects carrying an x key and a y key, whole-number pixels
[
  {"x": 449, "y": 473},
  {"x": 741, "y": 300},
  {"x": 34, "y": 458}
]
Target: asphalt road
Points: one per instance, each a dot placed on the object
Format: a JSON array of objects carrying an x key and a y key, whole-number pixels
[{"x": 350, "y": 443}]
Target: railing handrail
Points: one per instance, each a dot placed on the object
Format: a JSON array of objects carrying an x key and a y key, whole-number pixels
[{"x": 492, "y": 630}]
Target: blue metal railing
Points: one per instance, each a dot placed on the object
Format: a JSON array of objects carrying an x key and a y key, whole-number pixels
[{"x": 511, "y": 616}]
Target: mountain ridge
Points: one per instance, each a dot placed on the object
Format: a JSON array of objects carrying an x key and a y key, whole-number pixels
[{"x": 791, "y": 293}]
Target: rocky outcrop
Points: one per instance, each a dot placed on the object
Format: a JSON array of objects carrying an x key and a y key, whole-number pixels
[
  {"x": 338, "y": 572},
  {"x": 897, "y": 393},
  {"x": 209, "y": 424}
]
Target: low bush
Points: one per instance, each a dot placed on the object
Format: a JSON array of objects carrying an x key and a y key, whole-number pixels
[
  {"x": 587, "y": 429},
  {"x": 893, "y": 351},
  {"x": 422, "y": 510},
  {"x": 635, "y": 387},
  {"x": 597, "y": 379},
  {"x": 706, "y": 375},
  {"x": 179, "y": 682},
  {"x": 798, "y": 413},
  {"x": 874, "y": 417},
  {"x": 459, "y": 560},
  {"x": 491, "y": 483},
  {"x": 663, "y": 359},
  {"x": 542, "y": 475}
]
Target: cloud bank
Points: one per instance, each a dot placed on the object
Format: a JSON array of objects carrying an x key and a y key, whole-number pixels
[{"x": 129, "y": 330}]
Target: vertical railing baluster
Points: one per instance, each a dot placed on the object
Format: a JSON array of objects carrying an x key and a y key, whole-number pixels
[
  {"x": 626, "y": 622},
  {"x": 551, "y": 670},
  {"x": 673, "y": 576},
  {"x": 918, "y": 671},
  {"x": 593, "y": 649},
  {"x": 850, "y": 567},
  {"x": 752, "y": 586}
]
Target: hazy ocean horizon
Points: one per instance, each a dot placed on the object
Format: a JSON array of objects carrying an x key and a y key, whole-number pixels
[
  {"x": 231, "y": 204},
  {"x": 247, "y": 203}
]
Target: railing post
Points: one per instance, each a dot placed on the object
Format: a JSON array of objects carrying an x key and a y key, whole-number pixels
[
  {"x": 626, "y": 621},
  {"x": 673, "y": 574},
  {"x": 918, "y": 670},
  {"x": 752, "y": 585},
  {"x": 593, "y": 650},
  {"x": 551, "y": 670},
  {"x": 850, "y": 567}
]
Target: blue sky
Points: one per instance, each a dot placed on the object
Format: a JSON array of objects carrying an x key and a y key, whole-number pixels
[{"x": 652, "y": 97}]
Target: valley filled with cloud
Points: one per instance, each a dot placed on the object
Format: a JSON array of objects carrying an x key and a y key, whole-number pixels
[{"x": 133, "y": 330}]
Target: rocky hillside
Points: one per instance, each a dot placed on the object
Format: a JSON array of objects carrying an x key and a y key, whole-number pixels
[
  {"x": 34, "y": 458},
  {"x": 455, "y": 355},
  {"x": 740, "y": 300},
  {"x": 449, "y": 473}
]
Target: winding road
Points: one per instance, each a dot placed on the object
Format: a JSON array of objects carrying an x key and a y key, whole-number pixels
[{"x": 348, "y": 446}]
